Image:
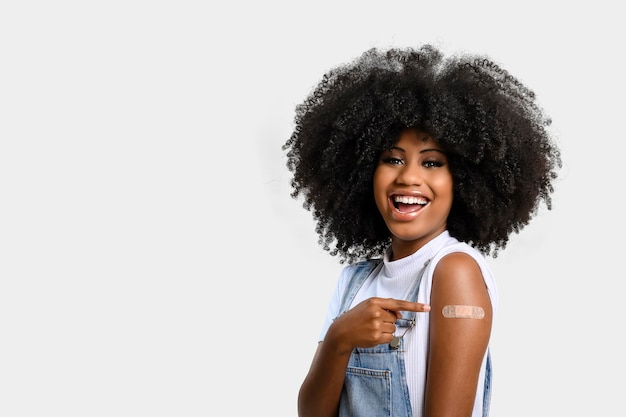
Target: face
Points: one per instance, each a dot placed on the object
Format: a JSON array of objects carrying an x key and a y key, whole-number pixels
[{"x": 413, "y": 190}]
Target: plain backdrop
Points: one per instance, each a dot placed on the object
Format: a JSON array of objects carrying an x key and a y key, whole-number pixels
[{"x": 152, "y": 261}]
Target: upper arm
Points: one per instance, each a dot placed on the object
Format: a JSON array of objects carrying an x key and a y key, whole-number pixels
[{"x": 457, "y": 345}]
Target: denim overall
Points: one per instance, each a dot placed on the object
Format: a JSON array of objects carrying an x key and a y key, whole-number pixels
[{"x": 375, "y": 383}]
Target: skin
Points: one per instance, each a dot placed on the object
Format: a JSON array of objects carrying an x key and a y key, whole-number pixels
[{"x": 415, "y": 166}]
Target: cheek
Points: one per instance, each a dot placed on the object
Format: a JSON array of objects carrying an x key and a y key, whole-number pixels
[
  {"x": 380, "y": 183},
  {"x": 378, "y": 180},
  {"x": 444, "y": 185}
]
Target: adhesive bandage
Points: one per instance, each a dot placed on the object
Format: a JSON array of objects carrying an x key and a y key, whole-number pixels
[{"x": 463, "y": 312}]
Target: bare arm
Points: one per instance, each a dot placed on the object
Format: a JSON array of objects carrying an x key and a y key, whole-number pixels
[
  {"x": 458, "y": 341},
  {"x": 368, "y": 324}
]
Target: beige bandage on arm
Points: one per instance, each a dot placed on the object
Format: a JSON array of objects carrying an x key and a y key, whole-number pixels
[{"x": 462, "y": 312}]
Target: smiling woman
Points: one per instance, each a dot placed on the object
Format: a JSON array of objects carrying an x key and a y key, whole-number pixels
[
  {"x": 413, "y": 179},
  {"x": 415, "y": 168}
]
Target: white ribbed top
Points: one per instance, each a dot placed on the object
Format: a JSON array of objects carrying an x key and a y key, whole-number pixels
[{"x": 394, "y": 280}]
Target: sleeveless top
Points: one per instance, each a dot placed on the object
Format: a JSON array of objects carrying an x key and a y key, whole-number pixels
[{"x": 377, "y": 382}]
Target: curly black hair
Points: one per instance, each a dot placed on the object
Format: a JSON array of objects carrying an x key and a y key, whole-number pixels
[{"x": 503, "y": 160}]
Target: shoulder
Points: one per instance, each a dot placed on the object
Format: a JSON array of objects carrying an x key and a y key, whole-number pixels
[
  {"x": 460, "y": 267},
  {"x": 356, "y": 270},
  {"x": 460, "y": 256},
  {"x": 458, "y": 271},
  {"x": 456, "y": 247},
  {"x": 462, "y": 276},
  {"x": 360, "y": 267}
]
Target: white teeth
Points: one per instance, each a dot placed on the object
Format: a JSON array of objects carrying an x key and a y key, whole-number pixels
[{"x": 409, "y": 200}]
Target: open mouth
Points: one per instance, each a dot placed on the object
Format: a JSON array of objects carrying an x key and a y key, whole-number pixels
[{"x": 408, "y": 204}]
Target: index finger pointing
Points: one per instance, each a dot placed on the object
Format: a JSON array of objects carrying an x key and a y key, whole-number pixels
[{"x": 403, "y": 305}]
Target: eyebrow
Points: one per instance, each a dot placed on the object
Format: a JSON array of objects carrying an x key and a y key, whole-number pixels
[{"x": 422, "y": 151}]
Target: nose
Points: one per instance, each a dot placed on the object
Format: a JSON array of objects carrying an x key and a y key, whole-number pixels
[{"x": 410, "y": 174}]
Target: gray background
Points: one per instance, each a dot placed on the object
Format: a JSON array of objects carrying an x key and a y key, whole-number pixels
[{"x": 151, "y": 259}]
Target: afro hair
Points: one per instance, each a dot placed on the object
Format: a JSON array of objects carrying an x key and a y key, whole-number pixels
[{"x": 502, "y": 157}]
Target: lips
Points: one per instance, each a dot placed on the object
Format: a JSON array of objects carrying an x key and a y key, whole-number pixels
[{"x": 408, "y": 203}]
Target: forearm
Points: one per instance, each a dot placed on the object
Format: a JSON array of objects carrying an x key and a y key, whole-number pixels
[{"x": 321, "y": 390}]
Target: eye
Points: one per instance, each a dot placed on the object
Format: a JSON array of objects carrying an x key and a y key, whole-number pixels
[
  {"x": 392, "y": 160},
  {"x": 433, "y": 163}
]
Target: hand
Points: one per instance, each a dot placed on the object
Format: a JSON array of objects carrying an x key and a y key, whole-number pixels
[{"x": 369, "y": 323}]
